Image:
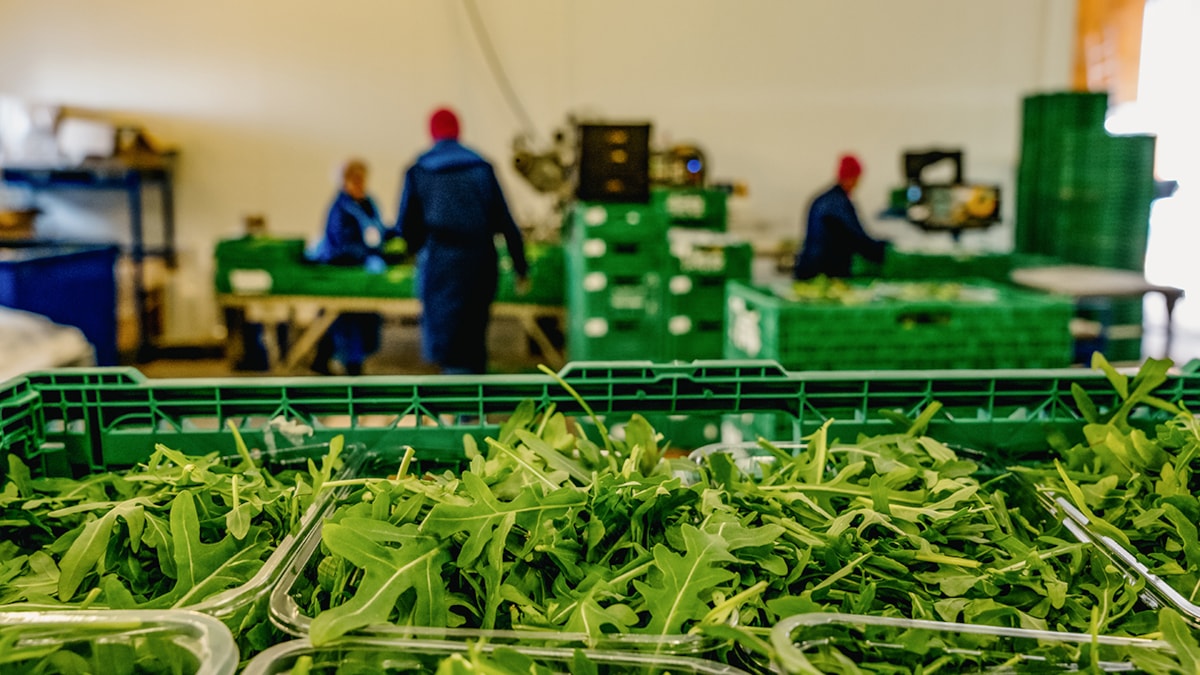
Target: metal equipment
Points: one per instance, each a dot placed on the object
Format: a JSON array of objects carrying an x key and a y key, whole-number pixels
[
  {"x": 579, "y": 157},
  {"x": 947, "y": 206}
]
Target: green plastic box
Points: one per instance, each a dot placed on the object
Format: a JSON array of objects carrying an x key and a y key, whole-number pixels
[
  {"x": 1014, "y": 328},
  {"x": 705, "y": 208}
]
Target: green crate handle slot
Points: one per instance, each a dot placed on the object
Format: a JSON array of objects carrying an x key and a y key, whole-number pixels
[{"x": 924, "y": 318}]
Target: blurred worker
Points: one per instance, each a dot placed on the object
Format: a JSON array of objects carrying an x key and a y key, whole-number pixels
[
  {"x": 833, "y": 233},
  {"x": 451, "y": 208},
  {"x": 353, "y": 236}
]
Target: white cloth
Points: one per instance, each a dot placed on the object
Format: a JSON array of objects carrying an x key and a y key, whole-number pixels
[{"x": 32, "y": 342}]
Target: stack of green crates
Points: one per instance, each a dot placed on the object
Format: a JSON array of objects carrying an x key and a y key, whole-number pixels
[
  {"x": 1084, "y": 196},
  {"x": 1044, "y": 118},
  {"x": 995, "y": 327},
  {"x": 694, "y": 292},
  {"x": 701, "y": 208},
  {"x": 614, "y": 260}
]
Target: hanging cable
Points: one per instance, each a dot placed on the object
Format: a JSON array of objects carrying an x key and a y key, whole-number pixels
[{"x": 493, "y": 61}]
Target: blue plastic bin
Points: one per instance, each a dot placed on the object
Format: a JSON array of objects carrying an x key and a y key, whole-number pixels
[{"x": 71, "y": 284}]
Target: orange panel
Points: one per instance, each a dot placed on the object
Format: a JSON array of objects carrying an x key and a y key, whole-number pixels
[{"x": 1108, "y": 44}]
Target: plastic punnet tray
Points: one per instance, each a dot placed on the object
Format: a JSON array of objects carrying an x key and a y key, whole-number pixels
[
  {"x": 1158, "y": 590},
  {"x": 838, "y": 643},
  {"x": 116, "y": 642},
  {"x": 423, "y": 656},
  {"x": 244, "y": 606}
]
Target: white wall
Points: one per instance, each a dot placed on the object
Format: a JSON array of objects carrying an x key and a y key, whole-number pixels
[{"x": 263, "y": 98}]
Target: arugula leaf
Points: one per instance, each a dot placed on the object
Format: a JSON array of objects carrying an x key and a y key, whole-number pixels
[
  {"x": 480, "y": 518},
  {"x": 680, "y": 593},
  {"x": 388, "y": 572},
  {"x": 1179, "y": 635}
]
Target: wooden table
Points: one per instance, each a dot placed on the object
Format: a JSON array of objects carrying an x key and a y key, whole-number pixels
[
  {"x": 1086, "y": 282},
  {"x": 281, "y": 309}
]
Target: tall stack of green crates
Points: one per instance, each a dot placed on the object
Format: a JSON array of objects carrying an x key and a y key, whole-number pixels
[
  {"x": 1084, "y": 196},
  {"x": 614, "y": 259}
]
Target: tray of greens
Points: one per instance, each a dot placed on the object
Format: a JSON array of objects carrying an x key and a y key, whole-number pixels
[
  {"x": 207, "y": 533},
  {"x": 550, "y": 535},
  {"x": 1133, "y": 489},
  {"x": 115, "y": 642}
]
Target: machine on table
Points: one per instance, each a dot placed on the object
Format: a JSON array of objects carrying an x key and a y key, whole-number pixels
[{"x": 951, "y": 206}]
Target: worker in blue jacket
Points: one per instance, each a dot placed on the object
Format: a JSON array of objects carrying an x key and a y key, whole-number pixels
[
  {"x": 353, "y": 236},
  {"x": 451, "y": 208},
  {"x": 833, "y": 233}
]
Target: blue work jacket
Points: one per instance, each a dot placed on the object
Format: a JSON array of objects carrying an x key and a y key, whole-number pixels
[
  {"x": 832, "y": 237},
  {"x": 451, "y": 209}
]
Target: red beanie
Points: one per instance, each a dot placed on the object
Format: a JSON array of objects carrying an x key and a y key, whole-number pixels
[
  {"x": 849, "y": 167},
  {"x": 443, "y": 124}
]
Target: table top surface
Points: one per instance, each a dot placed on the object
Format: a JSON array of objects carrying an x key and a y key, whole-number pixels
[{"x": 1083, "y": 281}]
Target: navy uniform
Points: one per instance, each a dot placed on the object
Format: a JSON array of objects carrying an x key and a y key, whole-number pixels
[{"x": 451, "y": 208}]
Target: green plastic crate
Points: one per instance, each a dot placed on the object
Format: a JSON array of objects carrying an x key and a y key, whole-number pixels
[
  {"x": 93, "y": 419},
  {"x": 634, "y": 295},
  {"x": 256, "y": 264},
  {"x": 695, "y": 296},
  {"x": 621, "y": 257},
  {"x": 689, "y": 338},
  {"x": 614, "y": 337},
  {"x": 995, "y": 267},
  {"x": 259, "y": 250},
  {"x": 705, "y": 208},
  {"x": 1015, "y": 329},
  {"x": 715, "y": 258},
  {"x": 615, "y": 222}
]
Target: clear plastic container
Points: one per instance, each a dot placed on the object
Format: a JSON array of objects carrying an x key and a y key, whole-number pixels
[
  {"x": 1158, "y": 592},
  {"x": 244, "y": 606},
  {"x": 841, "y": 643},
  {"x": 287, "y": 615},
  {"x": 385, "y": 656},
  {"x": 116, "y": 641}
]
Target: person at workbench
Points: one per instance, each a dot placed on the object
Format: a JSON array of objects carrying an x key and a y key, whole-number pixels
[
  {"x": 451, "y": 209},
  {"x": 833, "y": 233},
  {"x": 354, "y": 235}
]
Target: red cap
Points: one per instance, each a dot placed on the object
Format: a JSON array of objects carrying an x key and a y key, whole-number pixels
[
  {"x": 443, "y": 124},
  {"x": 849, "y": 167}
]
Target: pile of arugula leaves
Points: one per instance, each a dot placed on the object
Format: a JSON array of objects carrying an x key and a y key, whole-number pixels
[
  {"x": 173, "y": 532},
  {"x": 548, "y": 530},
  {"x": 1137, "y": 486}
]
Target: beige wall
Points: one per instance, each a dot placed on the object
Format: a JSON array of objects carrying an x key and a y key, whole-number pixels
[{"x": 264, "y": 97}]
